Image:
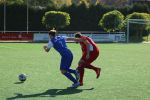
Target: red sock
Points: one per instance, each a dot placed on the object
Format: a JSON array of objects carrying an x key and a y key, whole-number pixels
[{"x": 81, "y": 71}]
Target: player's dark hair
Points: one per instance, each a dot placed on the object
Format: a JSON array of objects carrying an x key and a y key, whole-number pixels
[
  {"x": 78, "y": 35},
  {"x": 52, "y": 32}
]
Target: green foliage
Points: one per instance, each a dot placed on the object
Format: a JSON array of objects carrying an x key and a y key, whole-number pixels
[
  {"x": 10, "y": 2},
  {"x": 56, "y": 19},
  {"x": 84, "y": 2},
  {"x": 137, "y": 15},
  {"x": 146, "y": 38},
  {"x": 112, "y": 21},
  {"x": 60, "y": 3},
  {"x": 40, "y": 3},
  {"x": 115, "y": 3},
  {"x": 137, "y": 7}
]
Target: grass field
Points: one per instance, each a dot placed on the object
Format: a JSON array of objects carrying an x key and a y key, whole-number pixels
[{"x": 125, "y": 73}]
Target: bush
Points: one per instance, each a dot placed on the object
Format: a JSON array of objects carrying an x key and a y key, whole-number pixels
[
  {"x": 112, "y": 21},
  {"x": 56, "y": 19}
]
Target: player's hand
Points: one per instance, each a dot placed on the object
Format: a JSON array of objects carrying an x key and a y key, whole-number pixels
[{"x": 45, "y": 48}]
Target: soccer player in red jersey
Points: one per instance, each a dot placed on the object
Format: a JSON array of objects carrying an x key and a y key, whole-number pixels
[{"x": 90, "y": 52}]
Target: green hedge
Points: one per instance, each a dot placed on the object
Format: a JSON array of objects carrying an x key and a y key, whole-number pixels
[{"x": 82, "y": 17}]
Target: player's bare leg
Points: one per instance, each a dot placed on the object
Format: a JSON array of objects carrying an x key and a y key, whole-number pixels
[{"x": 96, "y": 69}]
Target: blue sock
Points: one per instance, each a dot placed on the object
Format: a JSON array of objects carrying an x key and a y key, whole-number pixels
[
  {"x": 70, "y": 77},
  {"x": 71, "y": 71}
]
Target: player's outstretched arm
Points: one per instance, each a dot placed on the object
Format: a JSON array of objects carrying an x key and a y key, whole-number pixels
[
  {"x": 70, "y": 39},
  {"x": 74, "y": 39}
]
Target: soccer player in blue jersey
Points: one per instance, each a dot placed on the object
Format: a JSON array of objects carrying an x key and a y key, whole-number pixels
[{"x": 59, "y": 44}]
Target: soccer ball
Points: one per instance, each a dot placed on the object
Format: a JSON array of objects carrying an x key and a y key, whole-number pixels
[{"x": 22, "y": 77}]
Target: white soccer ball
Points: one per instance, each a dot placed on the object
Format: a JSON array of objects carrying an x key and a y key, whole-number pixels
[{"x": 22, "y": 77}]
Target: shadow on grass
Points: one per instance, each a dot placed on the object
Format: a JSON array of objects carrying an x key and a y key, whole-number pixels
[
  {"x": 49, "y": 93},
  {"x": 18, "y": 82}
]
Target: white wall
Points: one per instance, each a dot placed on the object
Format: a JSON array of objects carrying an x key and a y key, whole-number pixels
[{"x": 96, "y": 37}]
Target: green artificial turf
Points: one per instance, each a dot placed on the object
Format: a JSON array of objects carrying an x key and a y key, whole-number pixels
[{"x": 125, "y": 73}]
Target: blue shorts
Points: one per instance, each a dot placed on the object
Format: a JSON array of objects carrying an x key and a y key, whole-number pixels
[{"x": 66, "y": 61}]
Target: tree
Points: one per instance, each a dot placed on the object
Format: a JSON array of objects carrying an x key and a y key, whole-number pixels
[
  {"x": 39, "y": 3},
  {"x": 112, "y": 21},
  {"x": 14, "y": 2},
  {"x": 115, "y": 3},
  {"x": 138, "y": 7},
  {"x": 137, "y": 30},
  {"x": 60, "y": 3},
  {"x": 56, "y": 19}
]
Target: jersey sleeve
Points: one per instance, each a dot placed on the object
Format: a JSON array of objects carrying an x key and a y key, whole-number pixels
[
  {"x": 50, "y": 44},
  {"x": 65, "y": 37}
]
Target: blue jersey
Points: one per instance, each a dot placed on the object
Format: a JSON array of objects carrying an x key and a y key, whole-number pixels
[{"x": 59, "y": 44}]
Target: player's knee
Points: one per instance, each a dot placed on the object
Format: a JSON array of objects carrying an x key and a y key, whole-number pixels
[
  {"x": 63, "y": 71},
  {"x": 81, "y": 63},
  {"x": 80, "y": 68}
]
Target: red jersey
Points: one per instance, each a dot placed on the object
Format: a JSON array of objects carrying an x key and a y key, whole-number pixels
[{"x": 93, "y": 45}]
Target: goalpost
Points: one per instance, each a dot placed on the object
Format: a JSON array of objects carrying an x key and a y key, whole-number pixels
[{"x": 137, "y": 21}]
